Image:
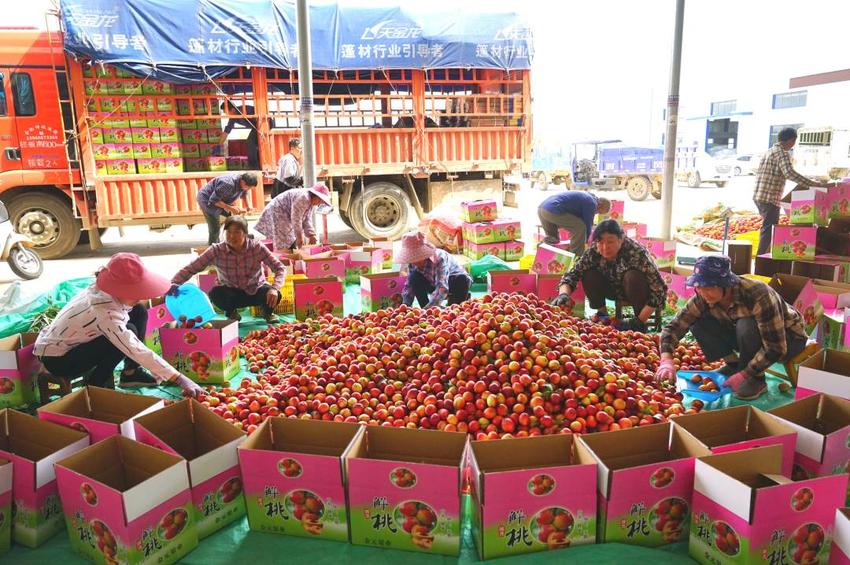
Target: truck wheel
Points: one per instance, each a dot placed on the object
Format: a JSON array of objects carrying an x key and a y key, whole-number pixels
[
  {"x": 48, "y": 220},
  {"x": 638, "y": 188},
  {"x": 345, "y": 219},
  {"x": 542, "y": 180},
  {"x": 656, "y": 191},
  {"x": 558, "y": 180},
  {"x": 84, "y": 235},
  {"x": 721, "y": 184},
  {"x": 737, "y": 171},
  {"x": 693, "y": 180},
  {"x": 382, "y": 209}
]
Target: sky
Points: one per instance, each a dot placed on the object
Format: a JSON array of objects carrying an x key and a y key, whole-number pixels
[{"x": 602, "y": 67}]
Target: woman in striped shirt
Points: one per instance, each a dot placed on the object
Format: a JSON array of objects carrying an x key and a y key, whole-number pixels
[{"x": 104, "y": 325}]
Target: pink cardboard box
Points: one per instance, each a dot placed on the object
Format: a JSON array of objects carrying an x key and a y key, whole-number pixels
[
  {"x": 145, "y": 104},
  {"x": 145, "y": 135},
  {"x": 479, "y": 210},
  {"x": 678, "y": 292},
  {"x": 166, "y": 150},
  {"x": 840, "y": 552},
  {"x": 169, "y": 134},
  {"x": 96, "y": 135},
  {"x": 119, "y": 151},
  {"x": 740, "y": 427},
  {"x": 118, "y": 135},
  {"x": 645, "y": 483},
  {"x": 141, "y": 151},
  {"x": 157, "y": 87},
  {"x": 514, "y": 250},
  {"x": 366, "y": 261},
  {"x": 478, "y": 232},
  {"x": 531, "y": 494},
  {"x": 208, "y": 444},
  {"x": 827, "y": 372},
  {"x": 547, "y": 289},
  {"x": 319, "y": 267},
  {"x": 151, "y": 166},
  {"x": 32, "y": 446},
  {"x": 206, "y": 281},
  {"x": 237, "y": 163},
  {"x": 195, "y": 164},
  {"x": 518, "y": 280},
  {"x": 99, "y": 412},
  {"x": 801, "y": 294},
  {"x": 793, "y": 242},
  {"x": 5, "y": 505},
  {"x": 662, "y": 251},
  {"x": 121, "y": 166},
  {"x": 616, "y": 212},
  {"x": 19, "y": 370},
  {"x": 101, "y": 153},
  {"x": 551, "y": 260},
  {"x": 506, "y": 230},
  {"x": 810, "y": 206},
  {"x": 746, "y": 511},
  {"x": 317, "y": 297},
  {"x": 190, "y": 150},
  {"x": 386, "y": 247},
  {"x": 174, "y": 165},
  {"x": 125, "y": 502},
  {"x": 380, "y": 291},
  {"x": 822, "y": 423},
  {"x": 839, "y": 200},
  {"x": 209, "y": 150},
  {"x": 158, "y": 315},
  {"x": 193, "y": 136},
  {"x": 100, "y": 168},
  {"x": 404, "y": 489},
  {"x": 295, "y": 478},
  {"x": 634, "y": 230},
  {"x": 215, "y": 135},
  {"x": 217, "y": 164},
  {"x": 477, "y": 251},
  {"x": 207, "y": 356}
]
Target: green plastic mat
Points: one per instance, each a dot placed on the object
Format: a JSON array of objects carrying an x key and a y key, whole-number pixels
[{"x": 59, "y": 295}]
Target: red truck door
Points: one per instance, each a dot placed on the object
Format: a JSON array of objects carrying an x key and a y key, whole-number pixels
[
  {"x": 10, "y": 160},
  {"x": 35, "y": 103}
]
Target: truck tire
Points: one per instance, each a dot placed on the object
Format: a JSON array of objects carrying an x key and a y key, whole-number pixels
[
  {"x": 84, "y": 235},
  {"x": 721, "y": 183},
  {"x": 656, "y": 191},
  {"x": 345, "y": 219},
  {"x": 48, "y": 220},
  {"x": 541, "y": 179},
  {"x": 559, "y": 180},
  {"x": 694, "y": 180},
  {"x": 381, "y": 209},
  {"x": 638, "y": 188}
]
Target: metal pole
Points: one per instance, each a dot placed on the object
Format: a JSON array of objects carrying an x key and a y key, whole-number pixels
[
  {"x": 672, "y": 124},
  {"x": 305, "y": 89}
]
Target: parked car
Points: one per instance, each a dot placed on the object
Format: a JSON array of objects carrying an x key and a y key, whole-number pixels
[{"x": 746, "y": 165}]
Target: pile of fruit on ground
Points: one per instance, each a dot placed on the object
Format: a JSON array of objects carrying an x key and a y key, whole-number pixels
[
  {"x": 499, "y": 366},
  {"x": 737, "y": 226}
]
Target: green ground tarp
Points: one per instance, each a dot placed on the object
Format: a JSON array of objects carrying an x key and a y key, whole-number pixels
[
  {"x": 237, "y": 544},
  {"x": 59, "y": 295}
]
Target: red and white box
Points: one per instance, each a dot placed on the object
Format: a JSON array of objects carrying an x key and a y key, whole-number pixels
[
  {"x": 678, "y": 292},
  {"x": 205, "y": 355},
  {"x": 827, "y": 372},
  {"x": 317, "y": 297},
  {"x": 382, "y": 290},
  {"x": 386, "y": 247},
  {"x": 127, "y": 502},
  {"x": 801, "y": 294},
  {"x": 550, "y": 260},
  {"x": 318, "y": 267},
  {"x": 208, "y": 444},
  {"x": 517, "y": 280},
  {"x": 793, "y": 242}
]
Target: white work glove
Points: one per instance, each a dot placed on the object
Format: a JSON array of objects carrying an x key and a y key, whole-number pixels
[{"x": 190, "y": 389}]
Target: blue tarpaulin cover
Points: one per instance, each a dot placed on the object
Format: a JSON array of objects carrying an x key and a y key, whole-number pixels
[{"x": 189, "y": 40}]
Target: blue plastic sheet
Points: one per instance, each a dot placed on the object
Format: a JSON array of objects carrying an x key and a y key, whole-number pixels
[{"x": 193, "y": 40}]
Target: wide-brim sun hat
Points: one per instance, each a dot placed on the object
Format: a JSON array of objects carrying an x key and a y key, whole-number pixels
[
  {"x": 713, "y": 271},
  {"x": 126, "y": 278},
  {"x": 320, "y": 190},
  {"x": 414, "y": 248}
]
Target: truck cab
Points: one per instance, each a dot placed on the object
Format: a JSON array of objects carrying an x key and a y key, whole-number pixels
[{"x": 823, "y": 152}]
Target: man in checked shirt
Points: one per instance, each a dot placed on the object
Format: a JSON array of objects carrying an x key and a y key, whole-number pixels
[
  {"x": 774, "y": 170},
  {"x": 731, "y": 314}
]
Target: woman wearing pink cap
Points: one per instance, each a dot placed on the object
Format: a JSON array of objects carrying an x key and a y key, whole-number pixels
[
  {"x": 105, "y": 324},
  {"x": 432, "y": 275},
  {"x": 288, "y": 218}
]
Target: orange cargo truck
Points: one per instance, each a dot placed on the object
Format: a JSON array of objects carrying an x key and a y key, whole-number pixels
[{"x": 86, "y": 146}]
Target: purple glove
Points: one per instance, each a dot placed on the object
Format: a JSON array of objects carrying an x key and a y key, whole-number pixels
[{"x": 666, "y": 371}]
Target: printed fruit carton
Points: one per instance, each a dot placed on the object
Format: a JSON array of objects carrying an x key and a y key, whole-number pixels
[
  {"x": 166, "y": 150},
  {"x": 32, "y": 446},
  {"x": 145, "y": 104},
  {"x": 514, "y": 250},
  {"x": 205, "y": 355},
  {"x": 317, "y": 297},
  {"x": 141, "y": 151},
  {"x": 164, "y": 105},
  {"x": 516, "y": 280},
  {"x": 215, "y": 135},
  {"x": 662, "y": 251},
  {"x": 95, "y": 88},
  {"x": 109, "y": 105},
  {"x": 563, "y": 235},
  {"x": 362, "y": 262},
  {"x": 118, "y": 135},
  {"x": 99, "y": 412},
  {"x": 386, "y": 247},
  {"x": 126, "y": 502},
  {"x": 532, "y": 494},
  {"x": 119, "y": 151},
  {"x": 209, "y": 123},
  {"x": 822, "y": 423},
  {"x": 216, "y": 164},
  {"x": 840, "y": 552},
  {"x": 118, "y": 123},
  {"x": 145, "y": 135},
  {"x": 140, "y": 122},
  {"x": 100, "y": 168},
  {"x": 174, "y": 165},
  {"x": 169, "y": 134},
  {"x": 19, "y": 370},
  {"x": 645, "y": 482},
  {"x": 209, "y": 150},
  {"x": 746, "y": 511},
  {"x": 151, "y": 166},
  {"x": 381, "y": 291},
  {"x": 844, "y": 266},
  {"x": 740, "y": 427},
  {"x": 163, "y": 121},
  {"x": 478, "y": 232},
  {"x": 801, "y": 294},
  {"x": 157, "y": 87},
  {"x": 158, "y": 316},
  {"x": 839, "y": 200},
  {"x": 194, "y": 136},
  {"x": 237, "y": 163},
  {"x": 479, "y": 210},
  {"x": 477, "y": 251},
  {"x": 547, "y": 289},
  {"x": 820, "y": 268},
  {"x": 678, "y": 292},
  {"x": 506, "y": 230},
  {"x": 404, "y": 489},
  {"x": 208, "y": 444},
  {"x": 5, "y": 505},
  {"x": 121, "y": 166},
  {"x": 550, "y": 260},
  {"x": 830, "y": 332},
  {"x": 810, "y": 206},
  {"x": 793, "y": 242},
  {"x": 96, "y": 135},
  {"x": 616, "y": 212},
  {"x": 195, "y": 164},
  {"x": 827, "y": 372},
  {"x": 206, "y": 281},
  {"x": 634, "y": 230},
  {"x": 295, "y": 478},
  {"x": 190, "y": 150}
]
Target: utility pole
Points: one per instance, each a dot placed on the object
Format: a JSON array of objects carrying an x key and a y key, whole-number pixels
[{"x": 672, "y": 124}]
